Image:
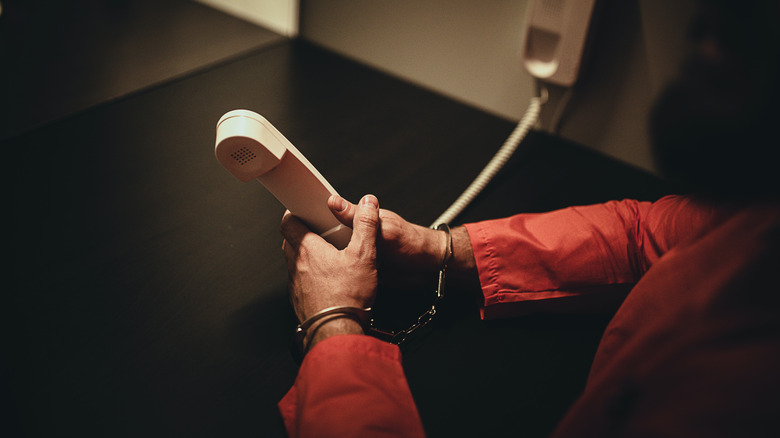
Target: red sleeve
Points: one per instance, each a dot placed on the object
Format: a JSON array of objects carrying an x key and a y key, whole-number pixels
[
  {"x": 351, "y": 386},
  {"x": 577, "y": 252}
]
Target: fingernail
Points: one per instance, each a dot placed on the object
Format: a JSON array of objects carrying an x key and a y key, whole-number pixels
[{"x": 370, "y": 200}]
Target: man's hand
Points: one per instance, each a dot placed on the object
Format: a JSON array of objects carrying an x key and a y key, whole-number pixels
[
  {"x": 413, "y": 249},
  {"x": 322, "y": 276},
  {"x": 403, "y": 244}
]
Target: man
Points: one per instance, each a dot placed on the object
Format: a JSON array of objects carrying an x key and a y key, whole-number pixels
[{"x": 695, "y": 347}]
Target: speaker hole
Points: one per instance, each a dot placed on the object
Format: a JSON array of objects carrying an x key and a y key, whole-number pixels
[{"x": 243, "y": 155}]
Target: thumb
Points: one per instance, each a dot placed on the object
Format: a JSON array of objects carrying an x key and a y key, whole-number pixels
[{"x": 365, "y": 226}]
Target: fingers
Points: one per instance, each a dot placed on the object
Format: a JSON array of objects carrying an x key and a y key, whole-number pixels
[
  {"x": 342, "y": 209},
  {"x": 365, "y": 226},
  {"x": 362, "y": 218},
  {"x": 293, "y": 231}
]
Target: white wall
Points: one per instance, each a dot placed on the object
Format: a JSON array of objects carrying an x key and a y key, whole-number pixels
[
  {"x": 280, "y": 16},
  {"x": 470, "y": 50},
  {"x": 466, "y": 49}
]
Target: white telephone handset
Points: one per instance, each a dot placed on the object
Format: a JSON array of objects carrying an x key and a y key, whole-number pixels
[
  {"x": 249, "y": 147},
  {"x": 555, "y": 39}
]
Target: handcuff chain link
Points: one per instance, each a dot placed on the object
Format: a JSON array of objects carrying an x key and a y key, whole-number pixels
[{"x": 400, "y": 336}]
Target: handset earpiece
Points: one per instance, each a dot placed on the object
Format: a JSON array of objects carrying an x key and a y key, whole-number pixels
[{"x": 249, "y": 147}]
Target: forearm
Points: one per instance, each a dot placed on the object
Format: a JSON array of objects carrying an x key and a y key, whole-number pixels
[
  {"x": 351, "y": 386},
  {"x": 531, "y": 262},
  {"x": 578, "y": 255}
]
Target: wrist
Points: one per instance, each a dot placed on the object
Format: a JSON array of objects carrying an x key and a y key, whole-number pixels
[
  {"x": 446, "y": 248},
  {"x": 315, "y": 328},
  {"x": 340, "y": 324},
  {"x": 435, "y": 247},
  {"x": 463, "y": 266}
]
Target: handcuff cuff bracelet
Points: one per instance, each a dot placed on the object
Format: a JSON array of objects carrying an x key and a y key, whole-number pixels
[{"x": 362, "y": 316}]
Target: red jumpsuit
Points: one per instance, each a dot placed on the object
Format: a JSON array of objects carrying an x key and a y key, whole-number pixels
[{"x": 694, "y": 350}]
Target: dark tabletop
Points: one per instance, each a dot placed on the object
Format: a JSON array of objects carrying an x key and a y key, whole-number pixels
[{"x": 148, "y": 290}]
